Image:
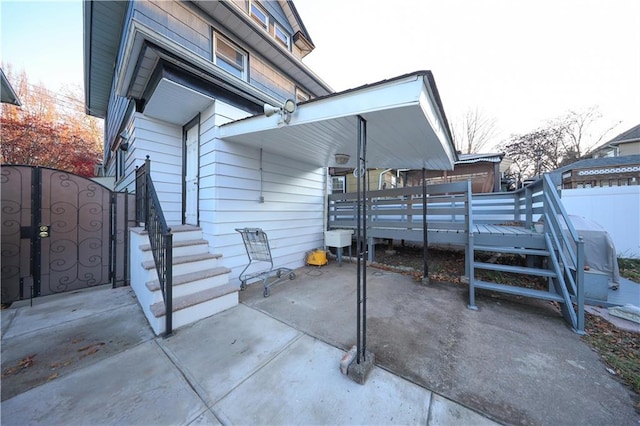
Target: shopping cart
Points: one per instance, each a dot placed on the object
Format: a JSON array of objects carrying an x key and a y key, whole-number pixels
[{"x": 257, "y": 245}]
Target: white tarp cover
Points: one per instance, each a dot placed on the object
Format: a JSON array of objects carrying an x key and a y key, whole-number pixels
[{"x": 599, "y": 250}]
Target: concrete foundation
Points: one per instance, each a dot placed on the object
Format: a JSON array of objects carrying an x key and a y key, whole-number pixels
[{"x": 358, "y": 372}]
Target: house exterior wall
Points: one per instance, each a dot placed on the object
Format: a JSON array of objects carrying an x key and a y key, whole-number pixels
[
  {"x": 194, "y": 29},
  {"x": 616, "y": 209},
  {"x": 231, "y": 180}
]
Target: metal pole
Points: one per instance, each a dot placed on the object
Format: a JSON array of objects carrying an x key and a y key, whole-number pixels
[
  {"x": 363, "y": 123},
  {"x": 358, "y": 236},
  {"x": 425, "y": 232}
]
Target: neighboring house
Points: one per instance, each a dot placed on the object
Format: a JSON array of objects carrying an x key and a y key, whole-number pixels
[
  {"x": 186, "y": 83},
  {"x": 626, "y": 143},
  {"x": 484, "y": 170},
  {"x": 7, "y": 94},
  {"x": 599, "y": 172}
]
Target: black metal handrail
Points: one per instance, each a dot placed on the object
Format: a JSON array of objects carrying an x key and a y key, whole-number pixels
[{"x": 160, "y": 238}]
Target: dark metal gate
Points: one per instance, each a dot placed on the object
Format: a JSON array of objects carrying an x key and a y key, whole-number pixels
[{"x": 60, "y": 232}]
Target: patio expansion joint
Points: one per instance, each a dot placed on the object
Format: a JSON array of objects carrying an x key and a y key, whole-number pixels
[{"x": 200, "y": 391}]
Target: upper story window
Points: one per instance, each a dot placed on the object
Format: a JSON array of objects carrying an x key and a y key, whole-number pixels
[
  {"x": 275, "y": 30},
  {"x": 259, "y": 15},
  {"x": 230, "y": 57},
  {"x": 282, "y": 36}
]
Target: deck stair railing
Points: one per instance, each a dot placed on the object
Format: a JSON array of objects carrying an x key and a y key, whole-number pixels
[
  {"x": 160, "y": 237},
  {"x": 496, "y": 223},
  {"x": 555, "y": 253}
]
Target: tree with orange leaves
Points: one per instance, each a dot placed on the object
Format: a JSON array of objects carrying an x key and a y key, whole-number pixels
[{"x": 49, "y": 129}]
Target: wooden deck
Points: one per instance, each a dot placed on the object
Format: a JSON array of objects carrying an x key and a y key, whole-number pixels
[{"x": 498, "y": 222}]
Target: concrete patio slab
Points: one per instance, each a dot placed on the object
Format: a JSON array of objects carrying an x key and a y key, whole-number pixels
[
  {"x": 308, "y": 388},
  {"x": 514, "y": 359},
  {"x": 47, "y": 311},
  {"x": 137, "y": 386},
  {"x": 220, "y": 352},
  {"x": 44, "y": 343}
]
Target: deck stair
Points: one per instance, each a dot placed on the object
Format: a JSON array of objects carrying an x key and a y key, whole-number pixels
[
  {"x": 201, "y": 285},
  {"x": 554, "y": 252}
]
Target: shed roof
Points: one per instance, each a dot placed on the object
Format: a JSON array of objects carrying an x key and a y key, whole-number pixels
[{"x": 406, "y": 127}]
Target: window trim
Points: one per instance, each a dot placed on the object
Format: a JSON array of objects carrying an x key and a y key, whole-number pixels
[
  {"x": 342, "y": 179},
  {"x": 260, "y": 9},
  {"x": 277, "y": 27},
  {"x": 244, "y": 72}
]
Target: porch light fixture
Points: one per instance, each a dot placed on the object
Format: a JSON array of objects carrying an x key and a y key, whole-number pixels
[
  {"x": 285, "y": 111},
  {"x": 342, "y": 158},
  {"x": 124, "y": 136}
]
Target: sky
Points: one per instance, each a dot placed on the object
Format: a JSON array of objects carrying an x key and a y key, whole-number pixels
[{"x": 519, "y": 62}]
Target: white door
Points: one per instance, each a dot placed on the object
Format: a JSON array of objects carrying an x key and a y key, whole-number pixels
[{"x": 191, "y": 177}]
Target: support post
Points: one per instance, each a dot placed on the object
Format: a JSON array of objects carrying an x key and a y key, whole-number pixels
[
  {"x": 358, "y": 362},
  {"x": 425, "y": 230}
]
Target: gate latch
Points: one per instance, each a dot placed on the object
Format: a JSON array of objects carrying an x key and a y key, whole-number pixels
[{"x": 44, "y": 231}]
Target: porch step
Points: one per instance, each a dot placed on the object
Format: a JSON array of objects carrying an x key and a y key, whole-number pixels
[
  {"x": 181, "y": 260},
  {"x": 193, "y": 299},
  {"x": 176, "y": 244},
  {"x": 200, "y": 284},
  {"x": 190, "y": 277},
  {"x": 515, "y": 269},
  {"x": 518, "y": 291},
  {"x": 514, "y": 250},
  {"x": 180, "y": 248}
]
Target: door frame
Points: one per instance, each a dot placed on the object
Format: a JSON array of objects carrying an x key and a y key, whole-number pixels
[{"x": 195, "y": 121}]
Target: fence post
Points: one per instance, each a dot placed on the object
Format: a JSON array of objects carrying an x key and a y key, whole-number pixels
[
  {"x": 580, "y": 284},
  {"x": 147, "y": 175},
  {"x": 168, "y": 329}
]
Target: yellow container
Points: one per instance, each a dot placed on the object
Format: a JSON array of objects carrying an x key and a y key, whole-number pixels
[{"x": 317, "y": 258}]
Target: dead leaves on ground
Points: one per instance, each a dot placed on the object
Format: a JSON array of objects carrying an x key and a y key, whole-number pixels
[{"x": 24, "y": 363}]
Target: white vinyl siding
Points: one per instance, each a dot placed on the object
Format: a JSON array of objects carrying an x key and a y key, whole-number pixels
[
  {"x": 292, "y": 214},
  {"x": 162, "y": 142}
]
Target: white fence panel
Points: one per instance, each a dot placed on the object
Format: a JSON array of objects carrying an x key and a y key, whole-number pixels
[{"x": 616, "y": 209}]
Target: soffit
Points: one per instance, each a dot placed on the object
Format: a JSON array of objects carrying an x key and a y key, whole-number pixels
[{"x": 405, "y": 127}]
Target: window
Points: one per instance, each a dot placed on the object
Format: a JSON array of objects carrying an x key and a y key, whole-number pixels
[
  {"x": 301, "y": 96},
  {"x": 230, "y": 58},
  {"x": 337, "y": 184},
  {"x": 259, "y": 15},
  {"x": 281, "y": 35}
]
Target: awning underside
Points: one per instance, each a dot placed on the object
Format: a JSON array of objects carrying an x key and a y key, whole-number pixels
[{"x": 404, "y": 128}]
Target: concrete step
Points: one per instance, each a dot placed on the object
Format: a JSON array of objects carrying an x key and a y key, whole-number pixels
[
  {"x": 194, "y": 299},
  {"x": 515, "y": 269},
  {"x": 194, "y": 282},
  {"x": 518, "y": 291},
  {"x": 180, "y": 248},
  {"x": 182, "y": 232},
  {"x": 186, "y": 232},
  {"x": 186, "y": 264}
]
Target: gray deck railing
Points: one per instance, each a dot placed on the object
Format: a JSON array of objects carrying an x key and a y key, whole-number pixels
[
  {"x": 397, "y": 213},
  {"x": 160, "y": 238}
]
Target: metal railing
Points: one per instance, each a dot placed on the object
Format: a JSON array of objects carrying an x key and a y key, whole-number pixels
[{"x": 160, "y": 237}]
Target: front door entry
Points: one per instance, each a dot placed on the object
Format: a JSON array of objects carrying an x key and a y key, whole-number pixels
[{"x": 191, "y": 176}]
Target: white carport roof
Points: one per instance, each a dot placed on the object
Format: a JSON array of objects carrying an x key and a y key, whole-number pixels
[{"x": 406, "y": 127}]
